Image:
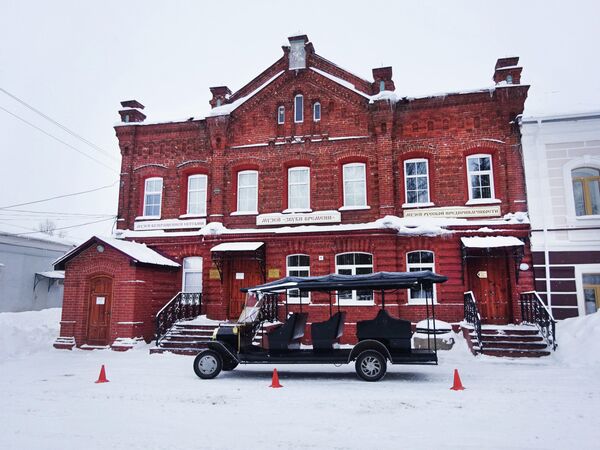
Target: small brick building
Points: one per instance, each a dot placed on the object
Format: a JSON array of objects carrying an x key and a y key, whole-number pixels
[{"x": 310, "y": 169}]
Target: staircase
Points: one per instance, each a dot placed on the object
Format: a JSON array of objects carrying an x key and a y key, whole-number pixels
[{"x": 514, "y": 341}]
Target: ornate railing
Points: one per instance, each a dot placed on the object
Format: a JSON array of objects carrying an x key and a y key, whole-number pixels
[
  {"x": 472, "y": 316},
  {"x": 269, "y": 309},
  {"x": 185, "y": 305},
  {"x": 534, "y": 311}
]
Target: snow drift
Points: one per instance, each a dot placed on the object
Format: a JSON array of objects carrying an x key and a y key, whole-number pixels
[
  {"x": 28, "y": 332},
  {"x": 579, "y": 340}
]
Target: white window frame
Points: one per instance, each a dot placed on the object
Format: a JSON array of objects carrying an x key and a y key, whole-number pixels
[
  {"x": 293, "y": 299},
  {"x": 421, "y": 266},
  {"x": 406, "y": 177},
  {"x": 490, "y": 172},
  {"x": 315, "y": 118},
  {"x": 354, "y": 301},
  {"x": 299, "y": 110},
  {"x": 572, "y": 217},
  {"x": 186, "y": 271},
  {"x": 202, "y": 206},
  {"x": 146, "y": 193},
  {"x": 281, "y": 115},
  {"x": 580, "y": 270},
  {"x": 364, "y": 181},
  {"x": 290, "y": 184},
  {"x": 239, "y": 187}
]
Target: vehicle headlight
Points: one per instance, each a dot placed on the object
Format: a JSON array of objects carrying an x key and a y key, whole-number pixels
[
  {"x": 235, "y": 330},
  {"x": 214, "y": 335}
]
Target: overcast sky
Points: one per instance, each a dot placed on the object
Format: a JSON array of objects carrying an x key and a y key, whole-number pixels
[{"x": 76, "y": 60}]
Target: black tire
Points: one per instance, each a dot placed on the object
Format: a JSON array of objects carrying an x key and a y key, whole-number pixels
[
  {"x": 371, "y": 365},
  {"x": 229, "y": 365},
  {"x": 208, "y": 364}
]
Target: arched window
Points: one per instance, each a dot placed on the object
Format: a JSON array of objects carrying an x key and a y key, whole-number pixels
[
  {"x": 298, "y": 266},
  {"x": 416, "y": 262},
  {"x": 586, "y": 190},
  {"x": 192, "y": 274},
  {"x": 299, "y": 108},
  {"x": 317, "y": 112},
  {"x": 281, "y": 115},
  {"x": 153, "y": 197},
  {"x": 196, "y": 195},
  {"x": 381, "y": 85},
  {"x": 416, "y": 181},
  {"x": 298, "y": 189},
  {"x": 354, "y": 264}
]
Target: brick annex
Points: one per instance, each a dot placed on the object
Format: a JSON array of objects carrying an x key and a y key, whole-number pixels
[{"x": 308, "y": 170}]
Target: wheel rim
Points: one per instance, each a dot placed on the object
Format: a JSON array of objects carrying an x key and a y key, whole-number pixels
[
  {"x": 207, "y": 364},
  {"x": 371, "y": 366}
]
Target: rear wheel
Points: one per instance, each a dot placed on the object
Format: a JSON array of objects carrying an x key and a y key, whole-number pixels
[
  {"x": 208, "y": 364},
  {"x": 371, "y": 365}
]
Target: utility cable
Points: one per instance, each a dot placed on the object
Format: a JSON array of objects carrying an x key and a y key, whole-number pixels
[
  {"x": 60, "y": 196},
  {"x": 63, "y": 228}
]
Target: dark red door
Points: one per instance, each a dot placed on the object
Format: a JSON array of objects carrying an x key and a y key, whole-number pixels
[
  {"x": 489, "y": 281},
  {"x": 99, "y": 318},
  {"x": 242, "y": 273}
]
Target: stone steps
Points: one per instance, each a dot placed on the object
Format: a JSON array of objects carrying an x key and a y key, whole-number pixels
[{"x": 520, "y": 341}]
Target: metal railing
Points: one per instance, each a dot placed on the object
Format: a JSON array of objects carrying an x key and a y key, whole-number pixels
[
  {"x": 472, "y": 316},
  {"x": 185, "y": 305},
  {"x": 534, "y": 311}
]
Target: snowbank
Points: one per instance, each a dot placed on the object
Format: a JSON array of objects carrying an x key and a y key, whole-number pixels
[
  {"x": 579, "y": 340},
  {"x": 28, "y": 332}
]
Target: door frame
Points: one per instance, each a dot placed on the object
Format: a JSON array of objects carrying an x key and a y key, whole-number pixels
[{"x": 89, "y": 306}]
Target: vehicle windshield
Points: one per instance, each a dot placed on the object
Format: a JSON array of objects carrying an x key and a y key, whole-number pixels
[{"x": 251, "y": 309}]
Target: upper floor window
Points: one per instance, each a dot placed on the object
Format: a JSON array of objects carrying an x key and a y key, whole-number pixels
[
  {"x": 415, "y": 262},
  {"x": 416, "y": 181},
  {"x": 196, "y": 195},
  {"x": 247, "y": 191},
  {"x": 299, "y": 188},
  {"x": 317, "y": 112},
  {"x": 281, "y": 115},
  {"x": 192, "y": 274},
  {"x": 355, "y": 186},
  {"x": 586, "y": 190},
  {"x": 509, "y": 79},
  {"x": 299, "y": 108},
  {"x": 354, "y": 264},
  {"x": 480, "y": 177},
  {"x": 381, "y": 85},
  {"x": 298, "y": 266},
  {"x": 152, "y": 196}
]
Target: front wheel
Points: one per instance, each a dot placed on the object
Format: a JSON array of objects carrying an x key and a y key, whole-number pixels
[
  {"x": 208, "y": 364},
  {"x": 371, "y": 365}
]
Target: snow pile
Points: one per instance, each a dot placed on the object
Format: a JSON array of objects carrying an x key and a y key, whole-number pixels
[
  {"x": 411, "y": 226},
  {"x": 579, "y": 340},
  {"x": 202, "y": 320},
  {"x": 212, "y": 228},
  {"x": 28, "y": 332},
  {"x": 518, "y": 217}
]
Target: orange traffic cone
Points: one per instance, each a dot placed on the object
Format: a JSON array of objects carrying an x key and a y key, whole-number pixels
[
  {"x": 102, "y": 377},
  {"x": 275, "y": 382},
  {"x": 457, "y": 386}
]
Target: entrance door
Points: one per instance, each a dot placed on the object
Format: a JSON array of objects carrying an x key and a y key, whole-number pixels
[
  {"x": 242, "y": 273},
  {"x": 99, "y": 318},
  {"x": 489, "y": 281}
]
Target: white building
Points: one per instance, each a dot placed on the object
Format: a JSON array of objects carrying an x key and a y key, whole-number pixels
[{"x": 562, "y": 168}]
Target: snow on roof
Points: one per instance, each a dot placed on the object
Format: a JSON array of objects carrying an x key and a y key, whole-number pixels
[
  {"x": 491, "y": 242},
  {"x": 54, "y": 274},
  {"x": 237, "y": 247},
  {"x": 17, "y": 232},
  {"x": 340, "y": 81}
]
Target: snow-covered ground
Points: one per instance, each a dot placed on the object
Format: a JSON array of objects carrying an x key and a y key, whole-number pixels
[{"x": 48, "y": 399}]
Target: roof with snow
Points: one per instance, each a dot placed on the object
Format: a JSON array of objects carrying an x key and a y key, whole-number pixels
[
  {"x": 491, "y": 242},
  {"x": 138, "y": 253}
]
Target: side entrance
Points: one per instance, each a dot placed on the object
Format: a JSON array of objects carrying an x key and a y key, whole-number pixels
[
  {"x": 100, "y": 301},
  {"x": 489, "y": 279}
]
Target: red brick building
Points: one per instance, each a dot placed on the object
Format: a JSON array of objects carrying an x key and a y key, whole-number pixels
[{"x": 310, "y": 169}]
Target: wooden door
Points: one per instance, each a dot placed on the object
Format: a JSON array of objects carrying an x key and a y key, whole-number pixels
[
  {"x": 99, "y": 313},
  {"x": 242, "y": 273},
  {"x": 489, "y": 281}
]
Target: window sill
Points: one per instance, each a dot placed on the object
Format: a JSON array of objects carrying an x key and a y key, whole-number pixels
[
  {"x": 190, "y": 216},
  {"x": 354, "y": 208},
  {"x": 483, "y": 201},
  {"x": 417, "y": 205},
  {"x": 244, "y": 213},
  {"x": 420, "y": 303},
  {"x": 297, "y": 302},
  {"x": 296, "y": 210},
  {"x": 588, "y": 217},
  {"x": 147, "y": 218},
  {"x": 355, "y": 303}
]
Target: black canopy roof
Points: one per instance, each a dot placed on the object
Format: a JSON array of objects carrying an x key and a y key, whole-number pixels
[{"x": 334, "y": 282}]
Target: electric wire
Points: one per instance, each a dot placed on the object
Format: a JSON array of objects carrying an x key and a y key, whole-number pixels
[{"x": 60, "y": 228}]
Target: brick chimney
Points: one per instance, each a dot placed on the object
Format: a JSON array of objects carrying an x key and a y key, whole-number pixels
[
  {"x": 220, "y": 95},
  {"x": 383, "y": 79},
  {"x": 508, "y": 70},
  {"x": 132, "y": 111}
]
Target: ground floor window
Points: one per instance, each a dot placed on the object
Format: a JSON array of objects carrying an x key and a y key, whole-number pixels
[
  {"x": 591, "y": 292},
  {"x": 415, "y": 262},
  {"x": 298, "y": 266},
  {"x": 354, "y": 264},
  {"x": 192, "y": 275}
]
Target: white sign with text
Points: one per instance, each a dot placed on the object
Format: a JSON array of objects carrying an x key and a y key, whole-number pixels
[
  {"x": 168, "y": 224},
  {"x": 299, "y": 218},
  {"x": 455, "y": 212}
]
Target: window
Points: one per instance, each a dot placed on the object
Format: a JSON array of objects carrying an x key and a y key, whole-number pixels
[
  {"x": 192, "y": 274},
  {"x": 281, "y": 115},
  {"x": 298, "y": 108},
  {"x": 480, "y": 180},
  {"x": 317, "y": 112},
  {"x": 591, "y": 292},
  {"x": 415, "y": 262},
  {"x": 586, "y": 190},
  {"x": 509, "y": 79},
  {"x": 152, "y": 197},
  {"x": 299, "y": 188},
  {"x": 355, "y": 186},
  {"x": 298, "y": 266},
  {"x": 416, "y": 181},
  {"x": 247, "y": 191},
  {"x": 381, "y": 85},
  {"x": 354, "y": 264},
  {"x": 196, "y": 195}
]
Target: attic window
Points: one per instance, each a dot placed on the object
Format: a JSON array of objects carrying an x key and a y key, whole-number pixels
[
  {"x": 218, "y": 102},
  {"x": 299, "y": 108},
  {"x": 509, "y": 79},
  {"x": 317, "y": 112},
  {"x": 381, "y": 86},
  {"x": 281, "y": 115},
  {"x": 297, "y": 56}
]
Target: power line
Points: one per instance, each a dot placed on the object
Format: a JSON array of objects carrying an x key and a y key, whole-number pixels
[
  {"x": 62, "y": 228},
  {"x": 34, "y": 213},
  {"x": 60, "y": 196},
  {"x": 59, "y": 140},
  {"x": 61, "y": 126}
]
